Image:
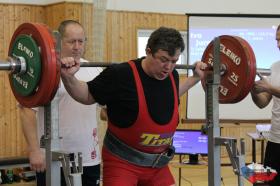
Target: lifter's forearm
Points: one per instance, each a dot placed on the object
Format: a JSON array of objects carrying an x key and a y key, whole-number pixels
[{"x": 187, "y": 84}]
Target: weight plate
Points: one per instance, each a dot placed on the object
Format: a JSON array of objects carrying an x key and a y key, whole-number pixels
[
  {"x": 24, "y": 46},
  {"x": 51, "y": 57},
  {"x": 238, "y": 75},
  {"x": 252, "y": 64},
  {"x": 48, "y": 82}
]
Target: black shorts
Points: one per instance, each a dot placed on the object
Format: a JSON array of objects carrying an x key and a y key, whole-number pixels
[{"x": 271, "y": 159}]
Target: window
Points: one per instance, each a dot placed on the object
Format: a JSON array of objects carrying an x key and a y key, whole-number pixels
[{"x": 142, "y": 39}]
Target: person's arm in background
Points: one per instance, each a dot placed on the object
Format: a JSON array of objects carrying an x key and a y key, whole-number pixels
[
  {"x": 77, "y": 89},
  {"x": 29, "y": 127},
  {"x": 261, "y": 99},
  {"x": 263, "y": 91},
  {"x": 192, "y": 80}
]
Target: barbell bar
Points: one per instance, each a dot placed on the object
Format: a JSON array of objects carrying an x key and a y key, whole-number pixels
[
  {"x": 262, "y": 71},
  {"x": 18, "y": 65},
  {"x": 14, "y": 65},
  {"x": 35, "y": 73}
]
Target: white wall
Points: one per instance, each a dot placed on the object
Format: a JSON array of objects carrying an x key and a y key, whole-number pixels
[
  {"x": 180, "y": 6},
  {"x": 198, "y": 6}
]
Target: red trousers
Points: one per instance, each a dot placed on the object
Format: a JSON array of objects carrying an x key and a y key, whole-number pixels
[{"x": 118, "y": 172}]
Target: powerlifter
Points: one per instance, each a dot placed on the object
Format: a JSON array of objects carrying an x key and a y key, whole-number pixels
[{"x": 142, "y": 98}]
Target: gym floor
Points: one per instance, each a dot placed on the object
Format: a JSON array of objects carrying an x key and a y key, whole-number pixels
[
  {"x": 197, "y": 175},
  {"x": 191, "y": 175}
]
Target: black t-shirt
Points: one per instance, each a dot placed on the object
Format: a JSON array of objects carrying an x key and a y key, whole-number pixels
[{"x": 115, "y": 87}]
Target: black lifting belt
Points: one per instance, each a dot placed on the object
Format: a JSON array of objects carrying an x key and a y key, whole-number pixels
[{"x": 134, "y": 156}]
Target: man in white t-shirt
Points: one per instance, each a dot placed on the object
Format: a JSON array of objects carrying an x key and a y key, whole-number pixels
[
  {"x": 263, "y": 92},
  {"x": 77, "y": 122}
]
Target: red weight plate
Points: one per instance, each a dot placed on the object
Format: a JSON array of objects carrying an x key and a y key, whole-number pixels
[
  {"x": 245, "y": 91},
  {"x": 54, "y": 82},
  {"x": 235, "y": 80},
  {"x": 50, "y": 72},
  {"x": 252, "y": 64}
]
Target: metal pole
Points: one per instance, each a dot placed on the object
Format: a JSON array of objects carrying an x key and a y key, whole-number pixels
[
  {"x": 52, "y": 142},
  {"x": 52, "y": 133},
  {"x": 212, "y": 118},
  {"x": 241, "y": 162}
]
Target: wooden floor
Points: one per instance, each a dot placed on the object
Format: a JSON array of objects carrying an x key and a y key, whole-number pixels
[{"x": 197, "y": 175}]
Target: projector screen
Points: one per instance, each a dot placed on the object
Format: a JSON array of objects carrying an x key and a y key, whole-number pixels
[{"x": 258, "y": 32}]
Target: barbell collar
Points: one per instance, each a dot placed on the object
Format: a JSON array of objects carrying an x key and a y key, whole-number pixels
[{"x": 16, "y": 65}]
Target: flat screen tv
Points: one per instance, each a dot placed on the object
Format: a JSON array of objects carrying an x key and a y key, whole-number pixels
[{"x": 190, "y": 142}]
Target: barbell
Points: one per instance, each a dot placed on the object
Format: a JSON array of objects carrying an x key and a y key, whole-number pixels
[{"x": 35, "y": 73}]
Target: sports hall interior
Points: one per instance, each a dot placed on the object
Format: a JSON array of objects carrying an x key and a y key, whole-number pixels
[{"x": 118, "y": 34}]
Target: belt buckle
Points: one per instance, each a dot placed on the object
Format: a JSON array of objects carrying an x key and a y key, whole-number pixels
[{"x": 157, "y": 159}]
